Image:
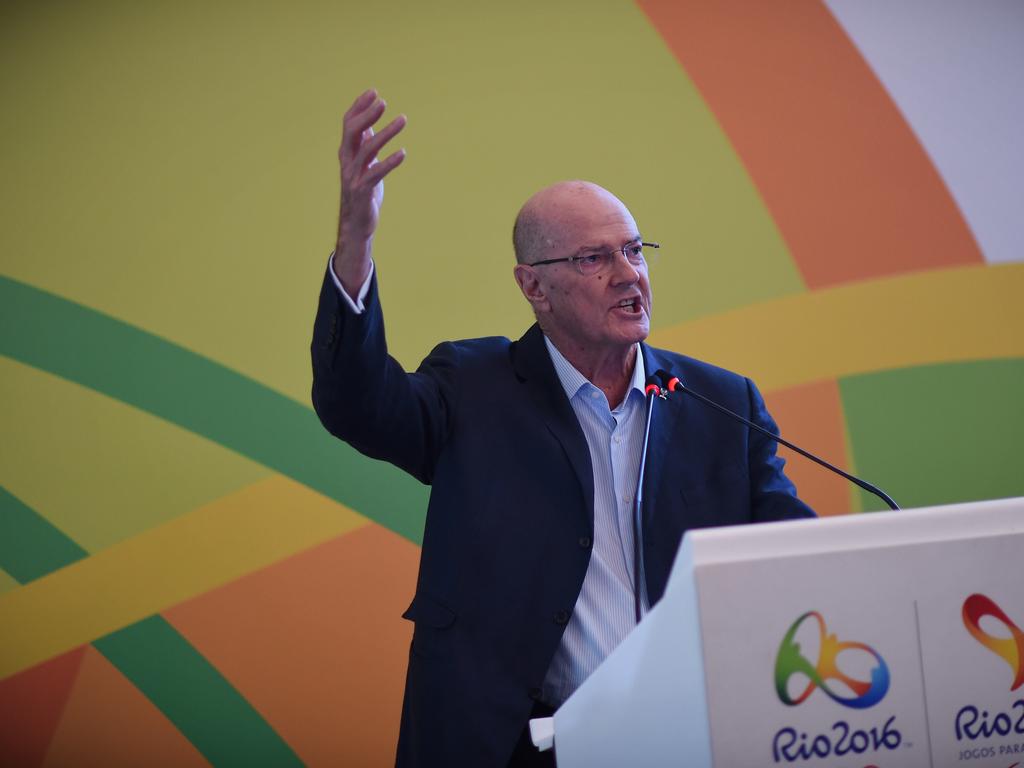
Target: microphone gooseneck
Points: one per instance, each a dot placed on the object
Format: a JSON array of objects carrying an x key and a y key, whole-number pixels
[
  {"x": 673, "y": 384},
  {"x": 653, "y": 392}
]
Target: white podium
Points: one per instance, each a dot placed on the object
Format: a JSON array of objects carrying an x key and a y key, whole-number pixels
[{"x": 885, "y": 639}]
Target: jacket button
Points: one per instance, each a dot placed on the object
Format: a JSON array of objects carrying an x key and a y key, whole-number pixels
[
  {"x": 562, "y": 617},
  {"x": 535, "y": 693},
  {"x": 585, "y": 542}
]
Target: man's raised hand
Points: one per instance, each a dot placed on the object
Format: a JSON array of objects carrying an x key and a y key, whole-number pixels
[{"x": 362, "y": 187}]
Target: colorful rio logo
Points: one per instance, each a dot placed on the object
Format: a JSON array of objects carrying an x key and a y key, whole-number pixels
[
  {"x": 977, "y": 607},
  {"x": 843, "y": 740},
  {"x": 791, "y": 661}
]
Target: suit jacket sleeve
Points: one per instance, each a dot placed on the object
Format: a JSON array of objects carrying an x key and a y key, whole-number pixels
[{"x": 364, "y": 396}]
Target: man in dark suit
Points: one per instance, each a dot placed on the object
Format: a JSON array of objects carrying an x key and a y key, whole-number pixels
[{"x": 532, "y": 449}]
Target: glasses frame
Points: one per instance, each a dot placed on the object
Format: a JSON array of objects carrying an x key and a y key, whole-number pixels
[{"x": 579, "y": 257}]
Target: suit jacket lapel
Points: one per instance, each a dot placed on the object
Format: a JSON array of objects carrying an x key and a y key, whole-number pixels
[{"x": 533, "y": 367}]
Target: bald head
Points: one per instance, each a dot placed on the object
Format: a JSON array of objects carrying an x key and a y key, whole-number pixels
[{"x": 547, "y": 221}]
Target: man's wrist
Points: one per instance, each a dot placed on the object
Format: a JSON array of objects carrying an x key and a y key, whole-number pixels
[
  {"x": 352, "y": 238},
  {"x": 351, "y": 262},
  {"x": 351, "y": 298}
]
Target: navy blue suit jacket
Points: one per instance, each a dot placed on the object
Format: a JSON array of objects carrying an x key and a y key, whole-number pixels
[{"x": 509, "y": 524}]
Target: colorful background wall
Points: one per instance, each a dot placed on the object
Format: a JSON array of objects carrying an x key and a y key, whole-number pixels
[{"x": 191, "y": 570}]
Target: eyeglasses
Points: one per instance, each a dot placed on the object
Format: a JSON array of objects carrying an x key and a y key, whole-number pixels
[{"x": 596, "y": 262}]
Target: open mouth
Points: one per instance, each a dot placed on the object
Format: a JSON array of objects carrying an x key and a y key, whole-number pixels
[{"x": 632, "y": 306}]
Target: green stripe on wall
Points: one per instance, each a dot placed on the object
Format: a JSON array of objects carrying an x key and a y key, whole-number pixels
[
  {"x": 31, "y": 546},
  {"x": 938, "y": 434},
  {"x": 82, "y": 345},
  {"x": 194, "y": 696}
]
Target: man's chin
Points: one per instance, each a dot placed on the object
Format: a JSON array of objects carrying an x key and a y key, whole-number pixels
[
  {"x": 638, "y": 330},
  {"x": 635, "y": 336}
]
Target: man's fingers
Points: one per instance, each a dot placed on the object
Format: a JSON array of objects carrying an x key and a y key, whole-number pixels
[
  {"x": 358, "y": 122},
  {"x": 376, "y": 172},
  {"x": 361, "y": 174},
  {"x": 367, "y": 117},
  {"x": 359, "y": 106},
  {"x": 372, "y": 145},
  {"x": 362, "y": 102}
]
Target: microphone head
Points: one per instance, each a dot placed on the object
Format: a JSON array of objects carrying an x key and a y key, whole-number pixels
[
  {"x": 651, "y": 386},
  {"x": 668, "y": 381}
]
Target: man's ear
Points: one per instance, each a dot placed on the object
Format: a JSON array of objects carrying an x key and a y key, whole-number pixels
[{"x": 531, "y": 287}]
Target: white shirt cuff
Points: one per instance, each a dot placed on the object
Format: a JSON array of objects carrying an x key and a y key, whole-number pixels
[{"x": 355, "y": 305}]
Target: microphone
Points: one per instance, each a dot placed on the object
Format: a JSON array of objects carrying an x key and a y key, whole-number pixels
[
  {"x": 653, "y": 392},
  {"x": 673, "y": 384}
]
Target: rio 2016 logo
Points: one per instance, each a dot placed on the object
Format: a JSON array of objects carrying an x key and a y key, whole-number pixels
[
  {"x": 790, "y": 661},
  {"x": 791, "y": 745},
  {"x": 971, "y": 722},
  {"x": 976, "y": 607}
]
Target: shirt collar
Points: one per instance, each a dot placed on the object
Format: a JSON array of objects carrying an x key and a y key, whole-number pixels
[{"x": 573, "y": 381}]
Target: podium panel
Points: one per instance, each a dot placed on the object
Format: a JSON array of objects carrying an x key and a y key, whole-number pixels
[{"x": 886, "y": 639}]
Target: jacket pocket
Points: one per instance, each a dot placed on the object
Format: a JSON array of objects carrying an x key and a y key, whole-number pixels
[
  {"x": 431, "y": 636},
  {"x": 426, "y": 610}
]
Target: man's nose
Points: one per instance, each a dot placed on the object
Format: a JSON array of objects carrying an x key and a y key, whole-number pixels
[{"x": 622, "y": 270}]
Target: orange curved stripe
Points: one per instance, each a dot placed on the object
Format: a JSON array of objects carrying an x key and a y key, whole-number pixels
[
  {"x": 316, "y": 643},
  {"x": 842, "y": 173},
  {"x": 811, "y": 416}
]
